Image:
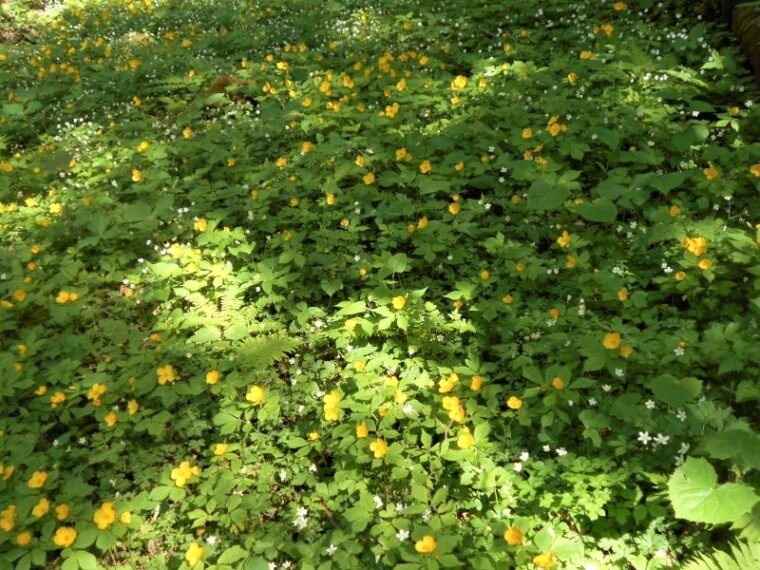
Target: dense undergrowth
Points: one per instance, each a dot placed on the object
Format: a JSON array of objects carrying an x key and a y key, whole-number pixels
[{"x": 435, "y": 284}]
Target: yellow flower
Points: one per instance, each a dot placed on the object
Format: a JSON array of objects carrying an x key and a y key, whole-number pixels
[
  {"x": 399, "y": 302},
  {"x": 527, "y": 133},
  {"x": 194, "y": 554},
  {"x": 111, "y": 418},
  {"x": 465, "y": 439},
  {"x": 379, "y": 447},
  {"x": 132, "y": 407},
  {"x": 64, "y": 536},
  {"x": 330, "y": 199},
  {"x": 426, "y": 545},
  {"x": 137, "y": 176},
  {"x": 485, "y": 275},
  {"x": 425, "y": 166},
  {"x": 313, "y": 436},
  {"x": 546, "y": 560},
  {"x": 514, "y": 403},
  {"x": 37, "y": 480},
  {"x": 680, "y": 276},
  {"x": 213, "y": 377},
  {"x": 368, "y": 179},
  {"x": 360, "y": 365},
  {"x": 200, "y": 225},
  {"x": 362, "y": 430},
  {"x": 19, "y": 295},
  {"x": 459, "y": 82},
  {"x": 307, "y": 146},
  {"x": 185, "y": 471},
  {"x": 623, "y": 294},
  {"x": 695, "y": 245},
  {"x": 220, "y": 449},
  {"x": 620, "y": 6},
  {"x": 459, "y": 166},
  {"x": 558, "y": 383},
  {"x": 626, "y": 351},
  {"x": 57, "y": 399},
  {"x": 611, "y": 340},
  {"x": 256, "y": 395},
  {"x": 507, "y": 299},
  {"x": 674, "y": 211},
  {"x": 125, "y": 518},
  {"x": 96, "y": 391},
  {"x": 281, "y": 162},
  {"x": 165, "y": 374},
  {"x": 705, "y": 264},
  {"x": 514, "y": 536},
  {"x": 105, "y": 516},
  {"x": 564, "y": 239},
  {"x": 585, "y": 54},
  {"x": 8, "y": 518},
  {"x": 447, "y": 385},
  {"x": 62, "y": 511},
  {"x": 24, "y": 538},
  {"x": 755, "y": 169},
  {"x": 143, "y": 146},
  {"x": 454, "y": 209},
  {"x": 187, "y": 132},
  {"x": 41, "y": 508},
  {"x": 711, "y": 173},
  {"x": 572, "y": 78},
  {"x": 475, "y": 383}
]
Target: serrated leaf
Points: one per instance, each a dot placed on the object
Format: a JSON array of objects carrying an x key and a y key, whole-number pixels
[
  {"x": 232, "y": 554},
  {"x": 696, "y": 496},
  {"x": 675, "y": 391},
  {"x": 544, "y": 194},
  {"x": 600, "y": 210}
]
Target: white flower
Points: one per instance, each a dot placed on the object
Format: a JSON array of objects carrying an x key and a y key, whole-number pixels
[
  {"x": 273, "y": 566},
  {"x": 606, "y": 387},
  {"x": 517, "y": 467},
  {"x": 283, "y": 475},
  {"x": 547, "y": 448},
  {"x": 313, "y": 468},
  {"x": 679, "y": 351},
  {"x": 592, "y": 402},
  {"x": 402, "y": 535},
  {"x": 649, "y": 404},
  {"x": 681, "y": 415},
  {"x": 408, "y": 409},
  {"x": 560, "y": 451},
  {"x": 211, "y": 539},
  {"x": 378, "y": 502},
  {"x": 684, "y": 448},
  {"x": 619, "y": 372},
  {"x": 661, "y": 439},
  {"x": 426, "y": 516},
  {"x": 644, "y": 437},
  {"x": 524, "y": 456},
  {"x": 332, "y": 549}
]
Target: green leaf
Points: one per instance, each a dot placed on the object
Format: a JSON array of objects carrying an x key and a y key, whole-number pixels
[
  {"x": 136, "y": 212},
  {"x": 205, "y": 335},
  {"x": 696, "y": 495},
  {"x": 740, "y": 445},
  {"x": 600, "y": 210},
  {"x": 232, "y": 554},
  {"x": 675, "y": 391},
  {"x": 545, "y": 194},
  {"x": 669, "y": 181}
]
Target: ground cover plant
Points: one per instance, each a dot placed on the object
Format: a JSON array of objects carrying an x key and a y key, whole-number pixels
[{"x": 393, "y": 284}]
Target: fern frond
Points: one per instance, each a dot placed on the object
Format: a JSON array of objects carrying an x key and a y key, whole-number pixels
[
  {"x": 743, "y": 555},
  {"x": 263, "y": 351}
]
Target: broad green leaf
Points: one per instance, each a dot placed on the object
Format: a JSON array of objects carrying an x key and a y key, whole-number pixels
[
  {"x": 600, "y": 210},
  {"x": 675, "y": 391},
  {"x": 696, "y": 496}
]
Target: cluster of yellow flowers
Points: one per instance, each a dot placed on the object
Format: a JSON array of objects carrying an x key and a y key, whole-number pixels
[
  {"x": 182, "y": 474},
  {"x": 331, "y": 401},
  {"x": 165, "y": 374}
]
